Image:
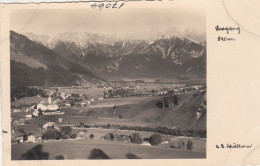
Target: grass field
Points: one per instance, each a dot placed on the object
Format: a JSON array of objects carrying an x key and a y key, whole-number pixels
[
  {"x": 80, "y": 149},
  {"x": 199, "y": 144},
  {"x": 67, "y": 119},
  {"x": 98, "y": 133},
  {"x": 27, "y": 101},
  {"x": 110, "y": 102}
]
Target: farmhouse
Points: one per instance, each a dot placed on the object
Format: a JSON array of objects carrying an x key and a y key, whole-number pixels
[
  {"x": 52, "y": 107},
  {"x": 63, "y": 95},
  {"x": 37, "y": 137},
  {"x": 165, "y": 142},
  {"x": 28, "y": 116},
  {"x": 67, "y": 104},
  {"x": 33, "y": 107},
  {"x": 83, "y": 104},
  {"x": 42, "y": 107},
  {"x": 82, "y": 132},
  {"x": 18, "y": 136},
  {"x": 48, "y": 124},
  {"x": 68, "y": 95},
  {"x": 146, "y": 143},
  {"x": 123, "y": 138},
  {"x": 60, "y": 120},
  {"x": 35, "y": 113},
  {"x": 17, "y": 110}
]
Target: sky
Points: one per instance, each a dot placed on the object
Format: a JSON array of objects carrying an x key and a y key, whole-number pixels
[{"x": 51, "y": 22}]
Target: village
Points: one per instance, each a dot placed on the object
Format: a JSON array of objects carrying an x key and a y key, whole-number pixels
[
  {"x": 58, "y": 100},
  {"x": 69, "y": 114}
]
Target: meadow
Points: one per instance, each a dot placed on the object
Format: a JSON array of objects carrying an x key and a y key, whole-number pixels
[{"x": 80, "y": 149}]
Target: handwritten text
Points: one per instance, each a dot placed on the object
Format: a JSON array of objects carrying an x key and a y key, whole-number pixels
[{"x": 112, "y": 5}]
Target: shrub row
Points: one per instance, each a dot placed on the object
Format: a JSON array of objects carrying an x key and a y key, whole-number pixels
[{"x": 161, "y": 130}]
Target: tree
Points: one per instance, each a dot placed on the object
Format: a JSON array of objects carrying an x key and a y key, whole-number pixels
[
  {"x": 105, "y": 93},
  {"x": 52, "y": 134},
  {"x": 108, "y": 126},
  {"x": 66, "y": 132},
  {"x": 165, "y": 103},
  {"x": 22, "y": 130},
  {"x": 81, "y": 124},
  {"x": 72, "y": 103},
  {"x": 181, "y": 145},
  {"x": 155, "y": 139},
  {"x": 189, "y": 145},
  {"x": 136, "y": 138},
  {"x": 91, "y": 136},
  {"x": 176, "y": 100},
  {"x": 109, "y": 136},
  {"x": 98, "y": 154},
  {"x": 74, "y": 135}
]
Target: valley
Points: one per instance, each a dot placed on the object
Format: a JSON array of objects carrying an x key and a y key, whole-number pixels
[{"x": 97, "y": 97}]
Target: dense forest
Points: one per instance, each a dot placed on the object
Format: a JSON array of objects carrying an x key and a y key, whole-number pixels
[{"x": 23, "y": 75}]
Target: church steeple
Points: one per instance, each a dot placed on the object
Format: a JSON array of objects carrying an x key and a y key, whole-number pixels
[{"x": 49, "y": 99}]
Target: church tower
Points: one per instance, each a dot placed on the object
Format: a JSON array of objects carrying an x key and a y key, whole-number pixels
[{"x": 49, "y": 99}]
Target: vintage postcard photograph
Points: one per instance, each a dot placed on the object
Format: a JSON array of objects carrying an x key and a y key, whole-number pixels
[{"x": 108, "y": 82}]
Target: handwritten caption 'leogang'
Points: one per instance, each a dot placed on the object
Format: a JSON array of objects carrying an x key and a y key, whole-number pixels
[{"x": 229, "y": 31}]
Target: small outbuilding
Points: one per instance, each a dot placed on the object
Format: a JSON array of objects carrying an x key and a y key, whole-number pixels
[{"x": 60, "y": 120}]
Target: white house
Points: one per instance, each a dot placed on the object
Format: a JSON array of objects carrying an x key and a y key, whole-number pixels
[
  {"x": 67, "y": 104},
  {"x": 63, "y": 95},
  {"x": 34, "y": 138},
  {"x": 35, "y": 113},
  {"x": 32, "y": 107},
  {"x": 31, "y": 138},
  {"x": 19, "y": 139},
  {"x": 198, "y": 115},
  {"x": 165, "y": 142},
  {"x": 17, "y": 110},
  {"x": 48, "y": 124},
  {"x": 146, "y": 143},
  {"x": 42, "y": 107},
  {"x": 43, "y": 102},
  {"x": 28, "y": 116},
  {"x": 52, "y": 107},
  {"x": 60, "y": 120},
  {"x": 83, "y": 104}
]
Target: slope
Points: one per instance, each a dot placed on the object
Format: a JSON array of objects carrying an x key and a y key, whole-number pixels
[
  {"x": 189, "y": 114},
  {"x": 57, "y": 69}
]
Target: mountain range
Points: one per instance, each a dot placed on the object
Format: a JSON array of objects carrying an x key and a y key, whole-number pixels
[{"x": 75, "y": 58}]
